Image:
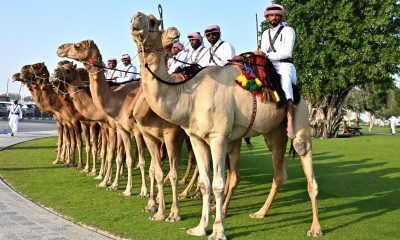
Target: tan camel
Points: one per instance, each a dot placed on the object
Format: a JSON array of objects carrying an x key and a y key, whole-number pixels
[
  {"x": 38, "y": 73},
  {"x": 41, "y": 104},
  {"x": 215, "y": 112},
  {"x": 154, "y": 128},
  {"x": 67, "y": 76},
  {"x": 65, "y": 145}
]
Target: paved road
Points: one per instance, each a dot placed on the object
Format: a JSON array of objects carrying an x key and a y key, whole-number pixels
[{"x": 22, "y": 219}]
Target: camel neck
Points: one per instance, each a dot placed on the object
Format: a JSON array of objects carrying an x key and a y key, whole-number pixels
[{"x": 163, "y": 99}]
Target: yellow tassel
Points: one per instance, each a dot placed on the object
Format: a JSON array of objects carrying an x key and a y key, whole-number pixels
[
  {"x": 95, "y": 76},
  {"x": 244, "y": 82},
  {"x": 258, "y": 82},
  {"x": 277, "y": 98}
]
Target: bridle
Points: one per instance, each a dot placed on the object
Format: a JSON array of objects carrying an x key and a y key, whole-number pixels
[{"x": 54, "y": 79}]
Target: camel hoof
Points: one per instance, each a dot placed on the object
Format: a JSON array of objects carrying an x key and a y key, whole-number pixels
[
  {"x": 215, "y": 236},
  {"x": 69, "y": 164},
  {"x": 141, "y": 196},
  {"x": 197, "y": 231},
  {"x": 101, "y": 185},
  {"x": 173, "y": 218},
  {"x": 182, "y": 195},
  {"x": 157, "y": 217},
  {"x": 56, "y": 162},
  {"x": 99, "y": 177},
  {"x": 315, "y": 232},
  {"x": 92, "y": 173},
  {"x": 126, "y": 193},
  {"x": 257, "y": 215},
  {"x": 85, "y": 170},
  {"x": 113, "y": 187},
  {"x": 149, "y": 208}
]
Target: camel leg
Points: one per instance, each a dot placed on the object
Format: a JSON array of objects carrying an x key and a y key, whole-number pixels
[
  {"x": 276, "y": 142},
  {"x": 141, "y": 147},
  {"x": 103, "y": 152},
  {"x": 78, "y": 136},
  {"x": 86, "y": 135},
  {"x": 59, "y": 143},
  {"x": 174, "y": 146},
  {"x": 95, "y": 135},
  {"x": 118, "y": 160},
  {"x": 190, "y": 161},
  {"x": 201, "y": 152},
  {"x": 126, "y": 138},
  {"x": 154, "y": 146},
  {"x": 185, "y": 192},
  {"x": 218, "y": 147},
  {"x": 233, "y": 175},
  {"x": 69, "y": 137},
  {"x": 109, "y": 158},
  {"x": 303, "y": 146},
  {"x": 71, "y": 153}
]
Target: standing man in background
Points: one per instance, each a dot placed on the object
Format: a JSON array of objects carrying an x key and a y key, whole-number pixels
[{"x": 15, "y": 115}]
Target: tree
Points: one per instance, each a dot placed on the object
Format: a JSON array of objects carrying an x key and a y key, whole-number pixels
[{"x": 341, "y": 44}]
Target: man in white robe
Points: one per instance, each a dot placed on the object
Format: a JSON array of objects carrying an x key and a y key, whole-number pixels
[{"x": 15, "y": 115}]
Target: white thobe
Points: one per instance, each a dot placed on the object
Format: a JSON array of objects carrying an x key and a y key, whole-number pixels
[
  {"x": 130, "y": 74},
  {"x": 393, "y": 122},
  {"x": 15, "y": 115},
  {"x": 174, "y": 64},
  {"x": 220, "y": 53},
  {"x": 111, "y": 74},
  {"x": 198, "y": 56},
  {"x": 284, "y": 49}
]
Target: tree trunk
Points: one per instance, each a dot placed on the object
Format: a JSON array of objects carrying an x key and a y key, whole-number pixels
[
  {"x": 371, "y": 121},
  {"x": 326, "y": 116}
]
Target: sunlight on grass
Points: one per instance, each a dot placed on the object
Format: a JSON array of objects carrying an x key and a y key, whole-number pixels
[{"x": 358, "y": 177}]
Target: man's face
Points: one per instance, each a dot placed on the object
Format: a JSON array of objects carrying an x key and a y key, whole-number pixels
[
  {"x": 175, "y": 50},
  {"x": 195, "y": 43},
  {"x": 126, "y": 61},
  {"x": 274, "y": 19},
  {"x": 112, "y": 64},
  {"x": 213, "y": 37}
]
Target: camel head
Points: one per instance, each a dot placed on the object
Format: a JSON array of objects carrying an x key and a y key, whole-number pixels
[
  {"x": 35, "y": 73},
  {"x": 145, "y": 30},
  {"x": 85, "y": 51},
  {"x": 169, "y": 37},
  {"x": 63, "y": 74}
]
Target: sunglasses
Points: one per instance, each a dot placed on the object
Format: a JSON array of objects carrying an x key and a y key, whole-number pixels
[{"x": 211, "y": 34}]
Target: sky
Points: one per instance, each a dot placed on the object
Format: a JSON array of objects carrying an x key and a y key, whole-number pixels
[{"x": 31, "y": 31}]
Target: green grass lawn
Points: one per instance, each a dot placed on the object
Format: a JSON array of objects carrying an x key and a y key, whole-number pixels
[{"x": 359, "y": 193}]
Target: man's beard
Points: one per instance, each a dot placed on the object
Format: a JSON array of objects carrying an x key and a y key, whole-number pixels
[{"x": 274, "y": 23}]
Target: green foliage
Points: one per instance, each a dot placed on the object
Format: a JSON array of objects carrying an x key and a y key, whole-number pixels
[
  {"x": 345, "y": 43},
  {"x": 358, "y": 193}
]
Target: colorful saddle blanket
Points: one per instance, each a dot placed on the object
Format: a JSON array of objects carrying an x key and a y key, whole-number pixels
[{"x": 254, "y": 77}]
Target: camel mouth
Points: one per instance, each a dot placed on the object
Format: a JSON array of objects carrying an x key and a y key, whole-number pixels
[{"x": 16, "y": 77}]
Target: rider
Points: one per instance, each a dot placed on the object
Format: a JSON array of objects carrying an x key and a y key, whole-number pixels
[
  {"x": 277, "y": 43},
  {"x": 198, "y": 52},
  {"x": 220, "y": 51}
]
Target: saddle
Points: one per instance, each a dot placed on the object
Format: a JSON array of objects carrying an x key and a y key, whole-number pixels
[{"x": 261, "y": 78}]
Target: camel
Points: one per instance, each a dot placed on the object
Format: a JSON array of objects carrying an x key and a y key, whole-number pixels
[
  {"x": 155, "y": 129},
  {"x": 39, "y": 74},
  {"x": 67, "y": 76},
  {"x": 41, "y": 104},
  {"x": 215, "y": 113},
  {"x": 66, "y": 133}
]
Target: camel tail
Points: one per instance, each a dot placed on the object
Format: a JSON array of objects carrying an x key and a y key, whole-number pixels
[
  {"x": 292, "y": 150},
  {"x": 249, "y": 144}
]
